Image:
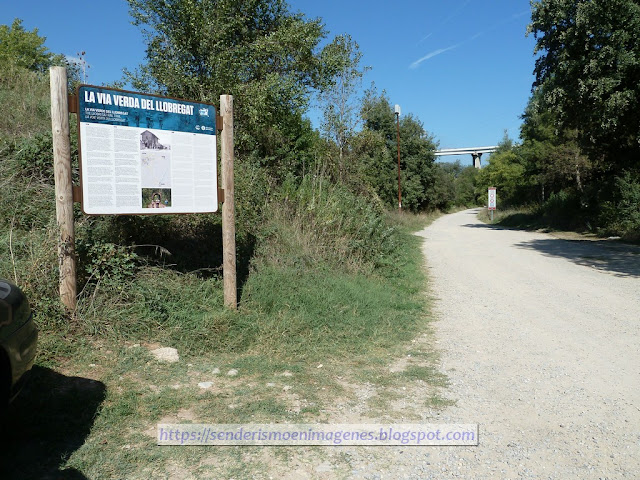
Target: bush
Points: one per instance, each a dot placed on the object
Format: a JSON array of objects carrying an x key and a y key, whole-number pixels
[
  {"x": 317, "y": 223},
  {"x": 563, "y": 210},
  {"x": 34, "y": 157},
  {"x": 621, "y": 216},
  {"x": 110, "y": 264},
  {"x": 561, "y": 204},
  {"x": 24, "y": 96},
  {"x": 30, "y": 258}
]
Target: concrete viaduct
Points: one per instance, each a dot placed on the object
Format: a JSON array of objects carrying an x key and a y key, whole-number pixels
[{"x": 476, "y": 153}]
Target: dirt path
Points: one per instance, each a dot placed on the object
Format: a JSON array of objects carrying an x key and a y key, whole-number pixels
[{"x": 541, "y": 340}]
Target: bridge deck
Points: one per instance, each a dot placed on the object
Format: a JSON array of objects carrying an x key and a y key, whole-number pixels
[{"x": 465, "y": 151}]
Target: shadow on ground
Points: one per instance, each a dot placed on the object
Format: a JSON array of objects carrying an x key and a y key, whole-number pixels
[
  {"x": 484, "y": 225},
  {"x": 49, "y": 420},
  {"x": 616, "y": 258}
]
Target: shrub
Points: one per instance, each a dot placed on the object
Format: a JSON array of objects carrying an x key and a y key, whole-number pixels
[
  {"x": 110, "y": 264},
  {"x": 24, "y": 96},
  {"x": 34, "y": 157},
  {"x": 621, "y": 215},
  {"x": 318, "y": 223}
]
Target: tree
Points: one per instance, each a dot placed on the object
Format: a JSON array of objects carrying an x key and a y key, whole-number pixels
[
  {"x": 465, "y": 186},
  {"x": 256, "y": 50},
  {"x": 442, "y": 192},
  {"x": 341, "y": 59},
  {"x": 25, "y": 48},
  {"x": 589, "y": 66},
  {"x": 457, "y": 185},
  {"x": 506, "y": 172},
  {"x": 553, "y": 157},
  {"x": 417, "y": 149}
]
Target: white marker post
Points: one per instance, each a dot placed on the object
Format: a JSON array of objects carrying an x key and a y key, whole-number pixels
[{"x": 492, "y": 201}]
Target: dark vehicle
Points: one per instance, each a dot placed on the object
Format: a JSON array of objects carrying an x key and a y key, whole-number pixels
[{"x": 18, "y": 337}]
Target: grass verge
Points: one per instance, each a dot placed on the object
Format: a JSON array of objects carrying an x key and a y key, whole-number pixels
[{"x": 310, "y": 343}]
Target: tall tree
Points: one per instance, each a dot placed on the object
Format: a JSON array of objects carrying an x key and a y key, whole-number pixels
[
  {"x": 341, "y": 58},
  {"x": 417, "y": 149},
  {"x": 505, "y": 171},
  {"x": 554, "y": 159},
  {"x": 24, "y": 48},
  {"x": 589, "y": 65},
  {"x": 256, "y": 50}
]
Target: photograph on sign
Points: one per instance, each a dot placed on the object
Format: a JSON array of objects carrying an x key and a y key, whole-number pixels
[
  {"x": 145, "y": 154},
  {"x": 492, "y": 198}
]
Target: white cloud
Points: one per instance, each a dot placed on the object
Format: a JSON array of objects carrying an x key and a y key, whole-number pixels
[
  {"x": 424, "y": 38},
  {"x": 435, "y": 53},
  {"x": 447, "y": 19},
  {"x": 513, "y": 17}
]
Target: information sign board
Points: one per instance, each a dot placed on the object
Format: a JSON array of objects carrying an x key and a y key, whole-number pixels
[{"x": 145, "y": 154}]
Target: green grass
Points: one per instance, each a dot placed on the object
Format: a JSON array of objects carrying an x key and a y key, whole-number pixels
[
  {"x": 426, "y": 374},
  {"x": 314, "y": 314},
  {"x": 411, "y": 222},
  {"x": 304, "y": 339},
  {"x": 24, "y": 96}
]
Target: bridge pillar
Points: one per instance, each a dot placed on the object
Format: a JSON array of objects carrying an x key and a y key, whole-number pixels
[{"x": 476, "y": 159}]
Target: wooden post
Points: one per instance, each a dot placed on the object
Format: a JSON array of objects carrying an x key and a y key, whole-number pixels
[
  {"x": 228, "y": 207},
  {"x": 63, "y": 186}
]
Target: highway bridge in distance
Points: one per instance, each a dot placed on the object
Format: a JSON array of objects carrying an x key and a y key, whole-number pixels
[{"x": 475, "y": 152}]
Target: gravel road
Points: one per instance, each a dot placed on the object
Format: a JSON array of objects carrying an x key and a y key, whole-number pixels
[{"x": 540, "y": 338}]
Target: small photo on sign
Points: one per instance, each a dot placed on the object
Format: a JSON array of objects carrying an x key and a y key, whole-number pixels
[
  {"x": 153, "y": 140},
  {"x": 156, "y": 197}
]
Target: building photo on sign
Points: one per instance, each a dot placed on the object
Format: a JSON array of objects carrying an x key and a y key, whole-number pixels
[
  {"x": 155, "y": 170},
  {"x": 143, "y": 154}
]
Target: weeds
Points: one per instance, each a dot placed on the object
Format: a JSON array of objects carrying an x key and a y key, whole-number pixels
[{"x": 317, "y": 222}]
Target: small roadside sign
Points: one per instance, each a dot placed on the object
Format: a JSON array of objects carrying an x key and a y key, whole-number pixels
[{"x": 492, "y": 198}]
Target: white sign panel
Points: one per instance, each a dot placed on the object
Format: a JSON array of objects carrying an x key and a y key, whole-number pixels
[
  {"x": 492, "y": 198},
  {"x": 144, "y": 154}
]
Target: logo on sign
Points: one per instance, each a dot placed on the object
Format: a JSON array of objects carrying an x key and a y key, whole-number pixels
[{"x": 204, "y": 112}]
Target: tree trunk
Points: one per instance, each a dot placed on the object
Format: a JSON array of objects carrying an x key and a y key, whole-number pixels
[{"x": 578, "y": 180}]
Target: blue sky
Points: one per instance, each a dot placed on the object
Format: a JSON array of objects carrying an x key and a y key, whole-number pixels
[{"x": 463, "y": 67}]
